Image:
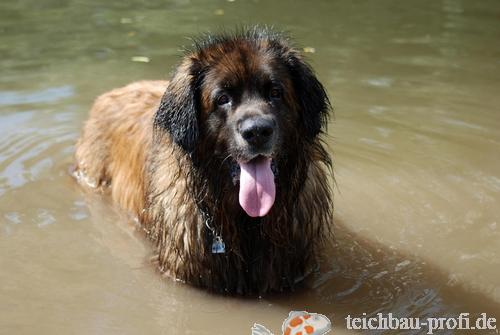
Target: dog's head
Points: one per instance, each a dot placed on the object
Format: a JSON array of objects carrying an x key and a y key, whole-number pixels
[{"x": 243, "y": 100}]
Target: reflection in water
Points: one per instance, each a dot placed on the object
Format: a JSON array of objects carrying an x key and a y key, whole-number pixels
[
  {"x": 415, "y": 141},
  {"x": 367, "y": 277}
]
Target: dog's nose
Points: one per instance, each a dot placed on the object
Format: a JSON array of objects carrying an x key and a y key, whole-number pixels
[{"x": 257, "y": 131}]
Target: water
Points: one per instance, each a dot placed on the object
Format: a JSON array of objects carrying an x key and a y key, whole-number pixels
[{"x": 415, "y": 141}]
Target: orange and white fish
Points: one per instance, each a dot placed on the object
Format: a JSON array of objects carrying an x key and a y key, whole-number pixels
[{"x": 299, "y": 323}]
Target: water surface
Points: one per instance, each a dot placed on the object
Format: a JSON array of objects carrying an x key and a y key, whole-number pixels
[{"x": 415, "y": 140}]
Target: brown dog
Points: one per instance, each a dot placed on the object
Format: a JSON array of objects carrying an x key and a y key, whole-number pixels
[{"x": 223, "y": 165}]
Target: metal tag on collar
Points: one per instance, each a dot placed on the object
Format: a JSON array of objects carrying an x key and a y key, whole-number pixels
[{"x": 218, "y": 246}]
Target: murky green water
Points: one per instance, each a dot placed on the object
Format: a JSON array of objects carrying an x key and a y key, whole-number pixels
[{"x": 416, "y": 141}]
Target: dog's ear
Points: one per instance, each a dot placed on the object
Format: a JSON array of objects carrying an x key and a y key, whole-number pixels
[
  {"x": 178, "y": 112},
  {"x": 310, "y": 93}
]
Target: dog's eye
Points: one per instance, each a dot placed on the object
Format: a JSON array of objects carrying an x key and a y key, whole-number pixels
[
  {"x": 223, "y": 99},
  {"x": 275, "y": 93}
]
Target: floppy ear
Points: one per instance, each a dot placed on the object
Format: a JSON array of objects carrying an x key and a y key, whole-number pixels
[
  {"x": 311, "y": 95},
  {"x": 178, "y": 111}
]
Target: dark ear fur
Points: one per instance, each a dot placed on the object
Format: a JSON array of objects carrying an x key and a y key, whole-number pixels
[
  {"x": 311, "y": 95},
  {"x": 178, "y": 111}
]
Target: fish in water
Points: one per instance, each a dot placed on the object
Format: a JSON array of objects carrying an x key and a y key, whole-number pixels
[{"x": 299, "y": 323}]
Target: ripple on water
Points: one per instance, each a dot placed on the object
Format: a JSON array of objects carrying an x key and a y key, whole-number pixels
[
  {"x": 367, "y": 278},
  {"x": 44, "y": 217},
  {"x": 79, "y": 211},
  {"x": 31, "y": 143},
  {"x": 13, "y": 217},
  {"x": 51, "y": 94},
  {"x": 38, "y": 130}
]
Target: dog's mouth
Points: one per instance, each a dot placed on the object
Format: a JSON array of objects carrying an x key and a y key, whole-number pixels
[{"x": 257, "y": 188}]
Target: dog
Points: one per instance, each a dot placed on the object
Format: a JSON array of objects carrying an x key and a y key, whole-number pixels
[{"x": 224, "y": 165}]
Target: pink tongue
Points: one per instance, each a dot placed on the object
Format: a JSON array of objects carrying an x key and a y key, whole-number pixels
[{"x": 257, "y": 189}]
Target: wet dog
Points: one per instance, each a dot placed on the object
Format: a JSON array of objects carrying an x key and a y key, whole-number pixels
[{"x": 223, "y": 165}]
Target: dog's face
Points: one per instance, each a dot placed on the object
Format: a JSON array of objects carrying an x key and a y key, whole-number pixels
[
  {"x": 247, "y": 103},
  {"x": 244, "y": 99}
]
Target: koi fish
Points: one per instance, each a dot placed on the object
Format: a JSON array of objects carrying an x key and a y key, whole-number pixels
[{"x": 299, "y": 323}]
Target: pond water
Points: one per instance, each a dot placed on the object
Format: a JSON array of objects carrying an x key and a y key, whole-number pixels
[{"x": 415, "y": 139}]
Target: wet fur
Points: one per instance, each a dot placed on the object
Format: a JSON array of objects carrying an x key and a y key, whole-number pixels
[{"x": 150, "y": 144}]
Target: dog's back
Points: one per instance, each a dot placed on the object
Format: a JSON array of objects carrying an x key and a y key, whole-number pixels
[{"x": 111, "y": 151}]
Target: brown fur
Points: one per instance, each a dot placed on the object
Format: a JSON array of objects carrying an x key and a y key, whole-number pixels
[{"x": 128, "y": 148}]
